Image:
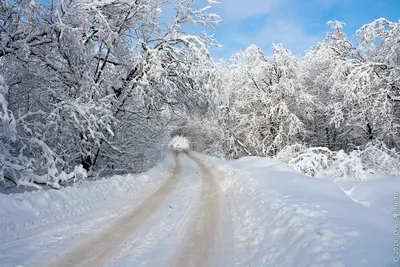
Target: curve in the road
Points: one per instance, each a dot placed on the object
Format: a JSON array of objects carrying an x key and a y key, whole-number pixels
[{"x": 200, "y": 237}]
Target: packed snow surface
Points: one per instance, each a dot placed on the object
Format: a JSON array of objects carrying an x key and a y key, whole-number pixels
[{"x": 195, "y": 210}]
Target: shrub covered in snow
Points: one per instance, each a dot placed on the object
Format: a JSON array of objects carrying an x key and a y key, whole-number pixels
[
  {"x": 22, "y": 159},
  {"x": 179, "y": 142},
  {"x": 319, "y": 161},
  {"x": 310, "y": 161}
]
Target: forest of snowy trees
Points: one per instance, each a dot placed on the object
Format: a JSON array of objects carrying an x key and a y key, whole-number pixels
[{"x": 100, "y": 87}]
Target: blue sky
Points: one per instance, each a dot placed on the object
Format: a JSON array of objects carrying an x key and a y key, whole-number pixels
[{"x": 298, "y": 24}]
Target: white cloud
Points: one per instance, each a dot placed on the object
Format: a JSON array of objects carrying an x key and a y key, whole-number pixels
[
  {"x": 288, "y": 32},
  {"x": 231, "y": 10},
  {"x": 279, "y": 30},
  {"x": 242, "y": 9},
  {"x": 277, "y": 26}
]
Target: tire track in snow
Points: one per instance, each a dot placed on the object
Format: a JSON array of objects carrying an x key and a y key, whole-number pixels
[
  {"x": 100, "y": 248},
  {"x": 153, "y": 244},
  {"x": 202, "y": 235}
]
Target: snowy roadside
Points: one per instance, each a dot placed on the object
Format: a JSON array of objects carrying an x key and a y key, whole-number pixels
[
  {"x": 283, "y": 218},
  {"x": 279, "y": 217},
  {"x": 30, "y": 213}
]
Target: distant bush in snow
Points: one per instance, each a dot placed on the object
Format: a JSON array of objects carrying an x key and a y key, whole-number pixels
[
  {"x": 179, "y": 142},
  {"x": 381, "y": 159},
  {"x": 310, "y": 161},
  {"x": 373, "y": 158}
]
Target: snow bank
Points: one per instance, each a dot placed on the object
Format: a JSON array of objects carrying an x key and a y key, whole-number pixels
[
  {"x": 283, "y": 218},
  {"x": 32, "y": 210},
  {"x": 377, "y": 194}
]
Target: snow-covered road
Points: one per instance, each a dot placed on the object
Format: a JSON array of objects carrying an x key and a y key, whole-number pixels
[
  {"x": 204, "y": 242},
  {"x": 101, "y": 246},
  {"x": 195, "y": 210},
  {"x": 190, "y": 242},
  {"x": 178, "y": 224}
]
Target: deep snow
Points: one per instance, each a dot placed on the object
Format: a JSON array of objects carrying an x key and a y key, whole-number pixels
[
  {"x": 279, "y": 217},
  {"x": 284, "y": 218}
]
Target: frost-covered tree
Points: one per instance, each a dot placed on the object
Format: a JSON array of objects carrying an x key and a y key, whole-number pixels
[
  {"x": 97, "y": 83},
  {"x": 355, "y": 103},
  {"x": 265, "y": 102},
  {"x": 380, "y": 48},
  {"x": 9, "y": 163},
  {"x": 101, "y": 86},
  {"x": 338, "y": 96}
]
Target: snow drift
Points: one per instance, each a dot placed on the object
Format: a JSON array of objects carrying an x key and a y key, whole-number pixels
[{"x": 283, "y": 218}]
